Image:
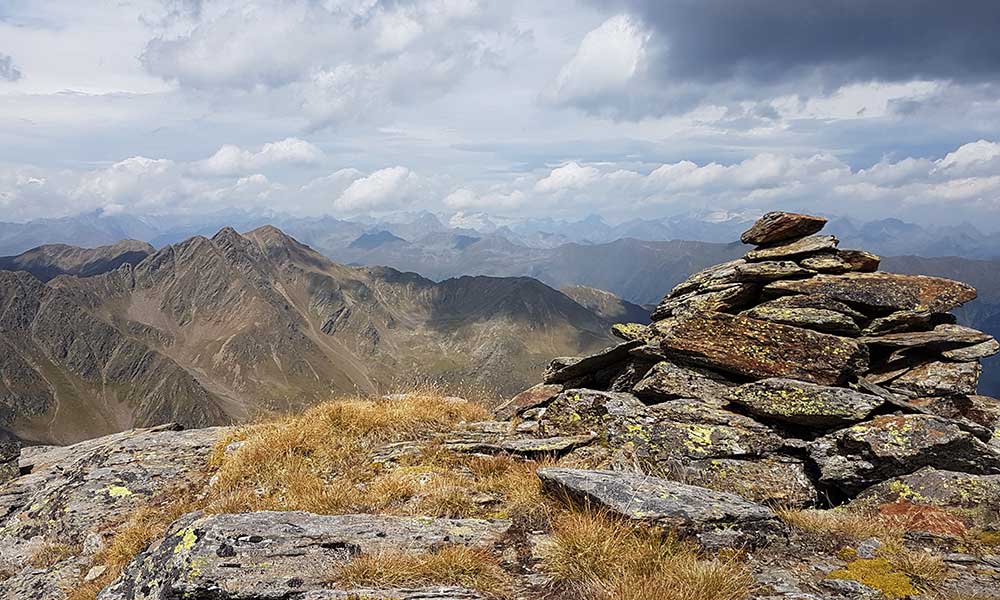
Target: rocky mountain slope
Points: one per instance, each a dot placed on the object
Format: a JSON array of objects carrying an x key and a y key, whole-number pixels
[
  {"x": 794, "y": 425},
  {"x": 48, "y": 262},
  {"x": 212, "y": 330}
]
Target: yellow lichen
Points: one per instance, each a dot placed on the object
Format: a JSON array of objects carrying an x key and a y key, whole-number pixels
[
  {"x": 118, "y": 491},
  {"x": 877, "y": 573},
  {"x": 188, "y": 539}
]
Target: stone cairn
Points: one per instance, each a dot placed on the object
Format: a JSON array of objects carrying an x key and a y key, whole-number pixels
[{"x": 796, "y": 376}]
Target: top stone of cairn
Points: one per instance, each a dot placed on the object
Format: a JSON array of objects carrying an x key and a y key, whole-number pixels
[{"x": 781, "y": 226}]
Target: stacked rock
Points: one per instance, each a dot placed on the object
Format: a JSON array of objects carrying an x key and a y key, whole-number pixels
[{"x": 798, "y": 375}]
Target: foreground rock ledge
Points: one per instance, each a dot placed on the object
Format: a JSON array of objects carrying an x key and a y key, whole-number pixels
[
  {"x": 717, "y": 519},
  {"x": 277, "y": 555}
]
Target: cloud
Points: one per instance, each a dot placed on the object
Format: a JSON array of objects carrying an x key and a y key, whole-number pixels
[
  {"x": 960, "y": 185},
  {"x": 571, "y": 176},
  {"x": 724, "y": 52},
  {"x": 8, "y": 71},
  {"x": 890, "y": 40},
  {"x": 233, "y": 160},
  {"x": 336, "y": 61},
  {"x": 605, "y": 62},
  {"x": 385, "y": 188}
]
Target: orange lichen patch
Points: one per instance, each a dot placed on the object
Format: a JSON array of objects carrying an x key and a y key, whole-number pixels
[{"x": 915, "y": 517}]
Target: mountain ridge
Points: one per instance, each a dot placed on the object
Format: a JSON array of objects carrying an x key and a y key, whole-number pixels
[{"x": 260, "y": 321}]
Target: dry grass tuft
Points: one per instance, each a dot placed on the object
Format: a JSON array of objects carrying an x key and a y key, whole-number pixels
[
  {"x": 924, "y": 568},
  {"x": 53, "y": 553},
  {"x": 472, "y": 568},
  {"x": 841, "y": 524},
  {"x": 596, "y": 556},
  {"x": 317, "y": 461},
  {"x": 321, "y": 462}
]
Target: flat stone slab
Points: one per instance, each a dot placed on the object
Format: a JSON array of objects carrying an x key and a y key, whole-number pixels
[
  {"x": 564, "y": 369},
  {"x": 889, "y": 446},
  {"x": 692, "y": 510},
  {"x": 817, "y": 319},
  {"x": 670, "y": 381},
  {"x": 739, "y": 271},
  {"x": 842, "y": 261},
  {"x": 674, "y": 430},
  {"x": 773, "y": 480},
  {"x": 976, "y": 495},
  {"x": 794, "y": 249},
  {"x": 942, "y": 337},
  {"x": 984, "y": 350},
  {"x": 806, "y": 404},
  {"x": 937, "y": 378},
  {"x": 883, "y": 291},
  {"x": 280, "y": 555},
  {"x": 813, "y": 301},
  {"x": 717, "y": 299},
  {"x": 532, "y": 397},
  {"x": 778, "y": 226},
  {"x": 762, "y": 349},
  {"x": 550, "y": 445}
]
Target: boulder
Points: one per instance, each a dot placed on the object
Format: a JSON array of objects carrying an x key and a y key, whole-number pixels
[
  {"x": 983, "y": 410},
  {"x": 760, "y": 349},
  {"x": 692, "y": 429},
  {"x": 806, "y": 404},
  {"x": 716, "y": 299},
  {"x": 881, "y": 292},
  {"x": 77, "y": 494},
  {"x": 859, "y": 260},
  {"x": 817, "y": 319},
  {"x": 942, "y": 337},
  {"x": 658, "y": 434},
  {"x": 669, "y": 381},
  {"x": 825, "y": 263},
  {"x": 975, "y": 496},
  {"x": 937, "y": 378},
  {"x": 565, "y": 369},
  {"x": 706, "y": 514},
  {"x": 773, "y": 480},
  {"x": 855, "y": 458},
  {"x": 976, "y": 352},
  {"x": 794, "y": 249},
  {"x": 532, "y": 397},
  {"x": 541, "y": 447},
  {"x": 630, "y": 332},
  {"x": 779, "y": 226},
  {"x": 738, "y": 271},
  {"x": 901, "y": 320},
  {"x": 811, "y": 301},
  {"x": 275, "y": 555}
]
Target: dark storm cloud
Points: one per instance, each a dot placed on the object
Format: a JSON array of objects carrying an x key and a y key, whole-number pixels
[
  {"x": 8, "y": 71},
  {"x": 840, "y": 41}
]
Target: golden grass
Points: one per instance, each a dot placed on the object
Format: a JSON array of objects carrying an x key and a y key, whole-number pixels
[
  {"x": 924, "y": 568},
  {"x": 145, "y": 525},
  {"x": 52, "y": 553},
  {"x": 461, "y": 566},
  {"x": 595, "y": 556},
  {"x": 321, "y": 462},
  {"x": 841, "y": 524}
]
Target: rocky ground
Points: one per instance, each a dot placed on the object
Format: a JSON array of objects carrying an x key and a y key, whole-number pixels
[{"x": 793, "y": 425}]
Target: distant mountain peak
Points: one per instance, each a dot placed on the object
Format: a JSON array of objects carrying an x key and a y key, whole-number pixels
[{"x": 374, "y": 239}]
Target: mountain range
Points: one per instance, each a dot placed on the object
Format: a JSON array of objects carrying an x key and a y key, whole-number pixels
[
  {"x": 425, "y": 231},
  {"x": 206, "y": 330},
  {"x": 212, "y": 330}
]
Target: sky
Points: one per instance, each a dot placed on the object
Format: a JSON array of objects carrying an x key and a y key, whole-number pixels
[{"x": 519, "y": 108}]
